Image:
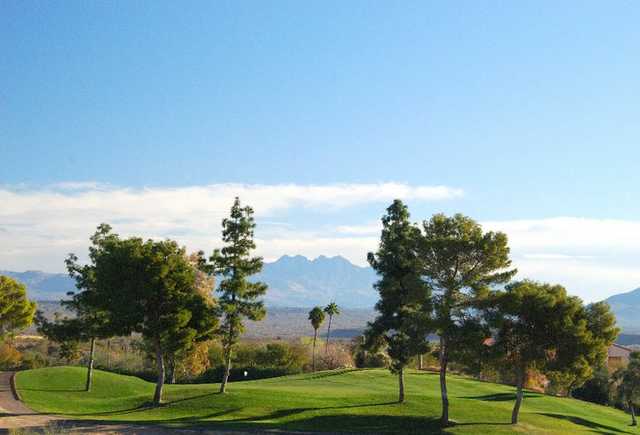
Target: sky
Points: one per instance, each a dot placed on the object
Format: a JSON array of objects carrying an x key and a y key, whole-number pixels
[{"x": 152, "y": 116}]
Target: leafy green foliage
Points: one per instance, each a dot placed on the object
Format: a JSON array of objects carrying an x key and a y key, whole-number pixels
[
  {"x": 540, "y": 327},
  {"x": 405, "y": 304},
  {"x": 239, "y": 298},
  {"x": 16, "y": 310},
  {"x": 461, "y": 263},
  {"x": 147, "y": 287},
  {"x": 627, "y": 384}
]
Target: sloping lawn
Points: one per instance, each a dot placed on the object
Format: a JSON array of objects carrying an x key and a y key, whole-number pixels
[{"x": 349, "y": 400}]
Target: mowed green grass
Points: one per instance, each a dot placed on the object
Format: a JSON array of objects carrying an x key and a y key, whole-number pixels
[{"x": 339, "y": 401}]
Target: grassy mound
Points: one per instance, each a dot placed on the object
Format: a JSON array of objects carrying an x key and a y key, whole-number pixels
[{"x": 356, "y": 400}]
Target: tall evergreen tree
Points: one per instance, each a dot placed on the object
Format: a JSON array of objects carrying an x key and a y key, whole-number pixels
[
  {"x": 331, "y": 310},
  {"x": 239, "y": 298},
  {"x": 405, "y": 305},
  {"x": 90, "y": 322},
  {"x": 316, "y": 316},
  {"x": 460, "y": 263}
]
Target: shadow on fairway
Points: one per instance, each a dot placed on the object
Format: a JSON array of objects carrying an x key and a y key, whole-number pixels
[
  {"x": 595, "y": 427},
  {"x": 500, "y": 397}
]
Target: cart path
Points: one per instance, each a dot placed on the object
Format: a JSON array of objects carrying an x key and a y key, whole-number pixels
[{"x": 14, "y": 413}]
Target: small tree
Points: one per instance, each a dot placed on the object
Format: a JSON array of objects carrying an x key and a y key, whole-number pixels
[
  {"x": 316, "y": 316},
  {"x": 239, "y": 298},
  {"x": 405, "y": 304},
  {"x": 627, "y": 385},
  {"x": 460, "y": 262},
  {"x": 16, "y": 310},
  {"x": 331, "y": 310}
]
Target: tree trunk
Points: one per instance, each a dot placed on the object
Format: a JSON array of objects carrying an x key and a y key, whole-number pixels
[
  {"x": 326, "y": 347},
  {"x": 108, "y": 353},
  {"x": 227, "y": 371},
  {"x": 444, "y": 418},
  {"x": 313, "y": 363},
  {"x": 420, "y": 362},
  {"x": 157, "y": 397},
  {"x": 401, "y": 386},
  {"x": 519, "y": 395},
  {"x": 172, "y": 369},
  {"x": 634, "y": 422},
  {"x": 92, "y": 353}
]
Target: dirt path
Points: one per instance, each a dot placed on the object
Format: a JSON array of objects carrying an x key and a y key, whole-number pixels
[{"x": 13, "y": 413}]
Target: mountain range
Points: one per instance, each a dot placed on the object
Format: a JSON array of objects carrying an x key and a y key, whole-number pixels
[
  {"x": 626, "y": 306},
  {"x": 294, "y": 281}
]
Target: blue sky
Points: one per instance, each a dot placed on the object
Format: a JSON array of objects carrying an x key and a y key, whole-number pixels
[{"x": 525, "y": 113}]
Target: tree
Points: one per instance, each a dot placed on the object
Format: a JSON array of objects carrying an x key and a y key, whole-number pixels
[
  {"x": 90, "y": 322},
  {"x": 627, "y": 383},
  {"x": 538, "y": 326},
  {"x": 239, "y": 298},
  {"x": 16, "y": 310},
  {"x": 460, "y": 263},
  {"x": 148, "y": 287},
  {"x": 316, "y": 316},
  {"x": 331, "y": 310},
  {"x": 405, "y": 305}
]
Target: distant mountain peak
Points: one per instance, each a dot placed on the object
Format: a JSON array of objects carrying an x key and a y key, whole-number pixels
[{"x": 293, "y": 280}]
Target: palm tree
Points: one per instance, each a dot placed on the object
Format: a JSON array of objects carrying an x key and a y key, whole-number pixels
[
  {"x": 316, "y": 315},
  {"x": 331, "y": 310}
]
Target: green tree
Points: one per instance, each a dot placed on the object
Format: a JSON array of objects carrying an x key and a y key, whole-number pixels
[
  {"x": 460, "y": 263},
  {"x": 627, "y": 385},
  {"x": 405, "y": 305},
  {"x": 316, "y": 316},
  {"x": 148, "y": 287},
  {"x": 331, "y": 310},
  {"x": 90, "y": 322},
  {"x": 239, "y": 298},
  {"x": 16, "y": 310},
  {"x": 538, "y": 326}
]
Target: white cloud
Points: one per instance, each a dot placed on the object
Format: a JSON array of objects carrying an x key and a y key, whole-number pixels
[
  {"x": 593, "y": 258},
  {"x": 38, "y": 227}
]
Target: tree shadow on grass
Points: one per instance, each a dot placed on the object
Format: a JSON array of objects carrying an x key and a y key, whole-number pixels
[
  {"x": 596, "y": 427},
  {"x": 53, "y": 390},
  {"x": 145, "y": 406},
  {"x": 326, "y": 374},
  {"x": 500, "y": 397}
]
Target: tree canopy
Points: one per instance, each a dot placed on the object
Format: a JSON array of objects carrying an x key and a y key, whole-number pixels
[
  {"x": 461, "y": 262},
  {"x": 539, "y": 326},
  {"x": 16, "y": 310}
]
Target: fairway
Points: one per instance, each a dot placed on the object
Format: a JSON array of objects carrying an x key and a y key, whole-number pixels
[{"x": 347, "y": 400}]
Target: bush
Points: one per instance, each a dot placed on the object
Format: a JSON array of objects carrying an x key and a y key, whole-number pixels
[{"x": 596, "y": 389}]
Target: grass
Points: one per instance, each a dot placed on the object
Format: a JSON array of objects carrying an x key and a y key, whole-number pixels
[{"x": 348, "y": 400}]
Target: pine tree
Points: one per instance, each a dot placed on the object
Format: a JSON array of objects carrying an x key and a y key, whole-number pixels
[
  {"x": 239, "y": 298},
  {"x": 405, "y": 305},
  {"x": 460, "y": 263}
]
